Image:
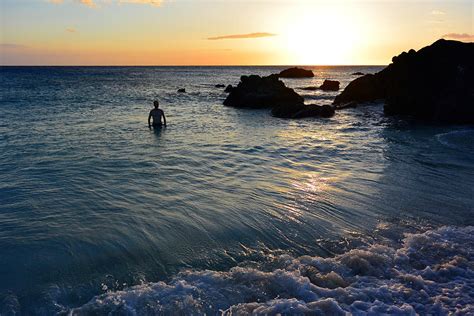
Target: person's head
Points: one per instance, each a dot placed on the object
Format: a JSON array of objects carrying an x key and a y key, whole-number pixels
[{"x": 156, "y": 104}]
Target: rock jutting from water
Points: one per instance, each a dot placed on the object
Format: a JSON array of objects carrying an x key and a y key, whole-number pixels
[
  {"x": 358, "y": 73},
  {"x": 330, "y": 85},
  {"x": 296, "y": 72},
  {"x": 182, "y": 90},
  {"x": 436, "y": 83},
  {"x": 219, "y": 86},
  {"x": 228, "y": 88},
  {"x": 269, "y": 92}
]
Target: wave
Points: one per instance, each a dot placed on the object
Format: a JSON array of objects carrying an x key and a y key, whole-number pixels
[
  {"x": 461, "y": 140},
  {"x": 429, "y": 272}
]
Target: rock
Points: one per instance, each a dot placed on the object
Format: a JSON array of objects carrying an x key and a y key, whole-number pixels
[
  {"x": 330, "y": 85},
  {"x": 262, "y": 92},
  {"x": 220, "y": 86},
  {"x": 310, "y": 110},
  {"x": 435, "y": 83},
  {"x": 296, "y": 72},
  {"x": 229, "y": 88},
  {"x": 363, "y": 89},
  {"x": 310, "y": 88},
  {"x": 358, "y": 73},
  {"x": 182, "y": 90},
  {"x": 270, "y": 92}
]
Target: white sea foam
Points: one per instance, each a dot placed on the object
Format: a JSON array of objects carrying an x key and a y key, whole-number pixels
[{"x": 428, "y": 273}]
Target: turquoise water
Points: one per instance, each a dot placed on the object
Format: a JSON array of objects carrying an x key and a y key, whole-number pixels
[{"x": 92, "y": 202}]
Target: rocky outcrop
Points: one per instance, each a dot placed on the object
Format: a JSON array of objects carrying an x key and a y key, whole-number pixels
[
  {"x": 220, "y": 86},
  {"x": 270, "y": 92},
  {"x": 330, "y": 85},
  {"x": 228, "y": 88},
  {"x": 182, "y": 90},
  {"x": 296, "y": 72},
  {"x": 363, "y": 89},
  {"x": 436, "y": 83},
  {"x": 358, "y": 73},
  {"x": 262, "y": 92}
]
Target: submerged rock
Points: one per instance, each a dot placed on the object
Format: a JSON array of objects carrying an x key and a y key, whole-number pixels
[
  {"x": 309, "y": 88},
  {"x": 182, "y": 90},
  {"x": 296, "y": 72},
  {"x": 330, "y": 85},
  {"x": 436, "y": 83},
  {"x": 305, "y": 110}
]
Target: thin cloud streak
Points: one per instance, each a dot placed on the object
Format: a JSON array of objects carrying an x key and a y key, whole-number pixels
[
  {"x": 241, "y": 36},
  {"x": 460, "y": 36},
  {"x": 94, "y": 4}
]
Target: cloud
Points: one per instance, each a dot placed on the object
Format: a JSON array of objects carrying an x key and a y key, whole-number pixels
[
  {"x": 155, "y": 3},
  {"x": 93, "y": 3},
  {"x": 437, "y": 12},
  {"x": 239, "y": 36},
  {"x": 11, "y": 46},
  {"x": 71, "y": 30},
  {"x": 460, "y": 36}
]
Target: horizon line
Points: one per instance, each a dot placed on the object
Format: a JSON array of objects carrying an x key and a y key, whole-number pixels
[{"x": 276, "y": 65}]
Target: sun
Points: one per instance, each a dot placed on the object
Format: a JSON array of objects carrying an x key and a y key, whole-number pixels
[{"x": 321, "y": 38}]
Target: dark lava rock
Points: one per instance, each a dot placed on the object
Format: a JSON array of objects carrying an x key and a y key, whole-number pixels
[
  {"x": 228, "y": 88},
  {"x": 302, "y": 111},
  {"x": 436, "y": 83},
  {"x": 330, "y": 85},
  {"x": 310, "y": 88},
  {"x": 262, "y": 92},
  {"x": 270, "y": 92},
  {"x": 358, "y": 73},
  {"x": 182, "y": 90},
  {"x": 220, "y": 86},
  {"x": 296, "y": 72}
]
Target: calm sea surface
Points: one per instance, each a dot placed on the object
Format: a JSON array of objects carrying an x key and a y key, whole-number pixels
[{"x": 100, "y": 214}]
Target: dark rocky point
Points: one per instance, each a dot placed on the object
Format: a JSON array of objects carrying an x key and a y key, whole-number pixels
[
  {"x": 330, "y": 85},
  {"x": 229, "y": 88},
  {"x": 436, "y": 83},
  {"x": 358, "y": 73},
  {"x": 296, "y": 72},
  {"x": 220, "y": 86},
  {"x": 182, "y": 90}
]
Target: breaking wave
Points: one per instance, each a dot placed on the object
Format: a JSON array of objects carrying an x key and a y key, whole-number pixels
[{"x": 430, "y": 272}]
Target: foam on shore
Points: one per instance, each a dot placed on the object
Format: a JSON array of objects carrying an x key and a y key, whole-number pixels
[{"x": 429, "y": 272}]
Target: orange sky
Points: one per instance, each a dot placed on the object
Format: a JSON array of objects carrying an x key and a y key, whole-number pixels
[{"x": 245, "y": 32}]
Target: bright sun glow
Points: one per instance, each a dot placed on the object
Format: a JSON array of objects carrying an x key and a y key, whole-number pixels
[{"x": 321, "y": 38}]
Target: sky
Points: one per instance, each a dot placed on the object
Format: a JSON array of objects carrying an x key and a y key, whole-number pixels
[{"x": 224, "y": 32}]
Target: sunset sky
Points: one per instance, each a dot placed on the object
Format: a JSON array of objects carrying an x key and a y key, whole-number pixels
[{"x": 225, "y": 32}]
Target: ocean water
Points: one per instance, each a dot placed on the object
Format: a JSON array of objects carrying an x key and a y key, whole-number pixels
[{"x": 226, "y": 210}]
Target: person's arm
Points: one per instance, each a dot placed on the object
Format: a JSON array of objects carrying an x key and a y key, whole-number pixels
[
  {"x": 149, "y": 117},
  {"x": 164, "y": 118}
]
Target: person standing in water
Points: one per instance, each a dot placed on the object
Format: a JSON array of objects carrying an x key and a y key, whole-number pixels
[{"x": 156, "y": 114}]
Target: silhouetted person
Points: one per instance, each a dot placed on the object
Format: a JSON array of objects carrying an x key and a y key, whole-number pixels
[{"x": 156, "y": 114}]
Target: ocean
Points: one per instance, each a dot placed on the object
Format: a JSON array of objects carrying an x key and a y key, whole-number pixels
[{"x": 226, "y": 210}]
